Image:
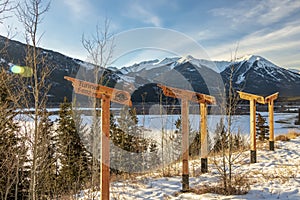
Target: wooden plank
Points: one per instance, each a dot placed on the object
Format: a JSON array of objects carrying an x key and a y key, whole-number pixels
[
  {"x": 96, "y": 90},
  {"x": 271, "y": 120},
  {"x": 204, "y": 98},
  {"x": 185, "y": 144},
  {"x": 190, "y": 95},
  {"x": 204, "y": 145},
  {"x": 105, "y": 162},
  {"x": 248, "y": 96},
  {"x": 272, "y": 97},
  {"x": 253, "y": 124},
  {"x": 253, "y": 129}
]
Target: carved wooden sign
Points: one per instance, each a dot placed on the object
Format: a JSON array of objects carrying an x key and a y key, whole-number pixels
[
  {"x": 106, "y": 94},
  {"x": 187, "y": 94},
  {"x": 97, "y": 91}
]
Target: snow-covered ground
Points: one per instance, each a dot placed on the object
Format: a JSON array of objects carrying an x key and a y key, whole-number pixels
[{"x": 276, "y": 175}]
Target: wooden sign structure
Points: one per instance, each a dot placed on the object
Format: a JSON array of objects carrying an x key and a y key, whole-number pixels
[
  {"x": 259, "y": 99},
  {"x": 106, "y": 95},
  {"x": 203, "y": 100},
  {"x": 270, "y": 100}
]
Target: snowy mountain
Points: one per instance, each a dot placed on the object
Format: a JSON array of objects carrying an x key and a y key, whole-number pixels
[
  {"x": 250, "y": 73},
  {"x": 255, "y": 74}
]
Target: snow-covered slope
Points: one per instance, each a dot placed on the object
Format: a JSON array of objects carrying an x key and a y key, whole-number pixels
[
  {"x": 255, "y": 74},
  {"x": 275, "y": 176},
  {"x": 251, "y": 73}
]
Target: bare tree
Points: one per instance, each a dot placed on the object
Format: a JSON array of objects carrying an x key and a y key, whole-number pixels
[
  {"x": 31, "y": 13},
  {"x": 5, "y": 7},
  {"x": 227, "y": 144},
  {"x": 100, "y": 51},
  {"x": 12, "y": 145}
]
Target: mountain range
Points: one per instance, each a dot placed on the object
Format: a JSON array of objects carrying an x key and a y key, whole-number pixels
[{"x": 251, "y": 73}]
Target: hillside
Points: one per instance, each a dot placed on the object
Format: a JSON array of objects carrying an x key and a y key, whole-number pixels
[{"x": 253, "y": 74}]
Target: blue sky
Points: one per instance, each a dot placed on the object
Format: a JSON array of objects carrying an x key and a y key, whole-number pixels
[{"x": 269, "y": 28}]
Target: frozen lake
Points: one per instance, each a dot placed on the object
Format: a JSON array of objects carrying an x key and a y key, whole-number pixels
[
  {"x": 159, "y": 123},
  {"x": 239, "y": 122}
]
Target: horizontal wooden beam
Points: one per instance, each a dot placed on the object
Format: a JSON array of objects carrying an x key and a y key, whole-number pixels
[
  {"x": 187, "y": 94},
  {"x": 97, "y": 91},
  {"x": 248, "y": 96},
  {"x": 271, "y": 97}
]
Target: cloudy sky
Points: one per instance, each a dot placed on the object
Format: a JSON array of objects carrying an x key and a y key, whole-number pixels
[{"x": 269, "y": 28}]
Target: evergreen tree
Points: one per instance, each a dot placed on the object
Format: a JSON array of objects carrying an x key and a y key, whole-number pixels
[
  {"x": 127, "y": 136},
  {"x": 74, "y": 164},
  {"x": 194, "y": 138},
  {"x": 262, "y": 129},
  {"x": 46, "y": 159},
  {"x": 220, "y": 138},
  {"x": 12, "y": 145}
]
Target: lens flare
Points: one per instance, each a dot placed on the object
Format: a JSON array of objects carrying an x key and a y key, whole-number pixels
[
  {"x": 17, "y": 69},
  {"x": 23, "y": 71}
]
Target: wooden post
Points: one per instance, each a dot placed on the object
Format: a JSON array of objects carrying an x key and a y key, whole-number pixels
[
  {"x": 185, "y": 97},
  {"x": 105, "y": 160},
  {"x": 253, "y": 131},
  {"x": 253, "y": 99},
  {"x": 204, "y": 145},
  {"x": 106, "y": 95},
  {"x": 259, "y": 99},
  {"x": 185, "y": 144},
  {"x": 270, "y": 99}
]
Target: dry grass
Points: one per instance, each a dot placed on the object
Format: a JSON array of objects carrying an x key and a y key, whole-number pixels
[
  {"x": 292, "y": 134},
  {"x": 240, "y": 186},
  {"x": 281, "y": 138}
]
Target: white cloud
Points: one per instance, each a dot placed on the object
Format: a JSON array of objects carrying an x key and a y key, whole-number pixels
[
  {"x": 206, "y": 35},
  {"x": 264, "y": 42},
  {"x": 138, "y": 12},
  {"x": 263, "y": 12},
  {"x": 79, "y": 8}
]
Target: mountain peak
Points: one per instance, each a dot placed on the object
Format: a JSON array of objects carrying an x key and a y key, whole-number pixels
[
  {"x": 185, "y": 59},
  {"x": 254, "y": 58},
  {"x": 249, "y": 58}
]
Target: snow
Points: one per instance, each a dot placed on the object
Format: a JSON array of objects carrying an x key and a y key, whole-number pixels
[
  {"x": 86, "y": 65},
  {"x": 241, "y": 78},
  {"x": 276, "y": 175},
  {"x": 156, "y": 123},
  {"x": 127, "y": 79},
  {"x": 252, "y": 58},
  {"x": 217, "y": 66},
  {"x": 297, "y": 71},
  {"x": 145, "y": 65},
  {"x": 2, "y": 60}
]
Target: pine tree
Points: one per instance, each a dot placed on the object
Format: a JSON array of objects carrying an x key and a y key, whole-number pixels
[
  {"x": 262, "y": 129},
  {"x": 194, "y": 138},
  {"x": 74, "y": 164},
  {"x": 46, "y": 159},
  {"x": 220, "y": 138},
  {"x": 126, "y": 134},
  {"x": 12, "y": 145}
]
